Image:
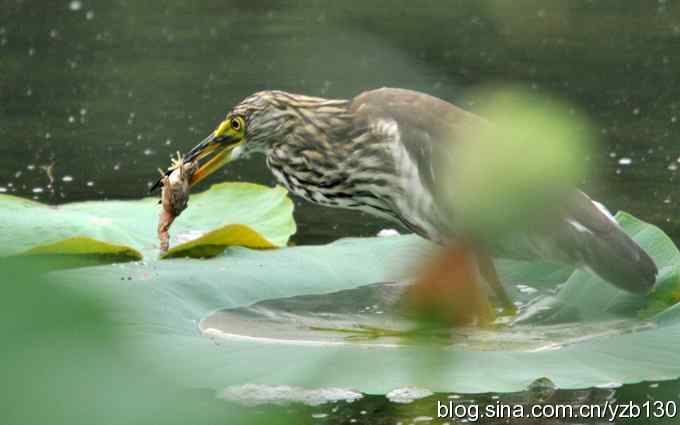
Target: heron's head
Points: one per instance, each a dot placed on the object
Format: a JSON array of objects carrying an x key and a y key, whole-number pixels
[
  {"x": 261, "y": 120},
  {"x": 248, "y": 127}
]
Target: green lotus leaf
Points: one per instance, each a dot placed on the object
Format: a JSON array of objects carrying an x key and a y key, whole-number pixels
[
  {"x": 227, "y": 214},
  {"x": 80, "y": 252},
  {"x": 319, "y": 316},
  {"x": 215, "y": 242}
]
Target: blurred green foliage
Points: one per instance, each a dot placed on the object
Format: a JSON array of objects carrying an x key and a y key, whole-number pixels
[
  {"x": 517, "y": 169},
  {"x": 64, "y": 364}
]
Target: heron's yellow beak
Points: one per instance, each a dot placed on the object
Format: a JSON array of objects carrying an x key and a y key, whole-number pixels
[{"x": 219, "y": 146}]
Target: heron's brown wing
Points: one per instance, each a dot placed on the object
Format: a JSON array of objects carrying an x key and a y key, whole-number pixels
[
  {"x": 583, "y": 234},
  {"x": 428, "y": 126},
  {"x": 413, "y": 109}
]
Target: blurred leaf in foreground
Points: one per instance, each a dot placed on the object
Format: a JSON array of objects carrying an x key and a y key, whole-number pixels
[
  {"x": 517, "y": 169},
  {"x": 65, "y": 363}
]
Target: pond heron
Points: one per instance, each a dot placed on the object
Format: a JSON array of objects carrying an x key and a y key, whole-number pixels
[{"x": 381, "y": 153}]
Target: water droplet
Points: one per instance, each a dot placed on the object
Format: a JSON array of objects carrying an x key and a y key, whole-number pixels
[
  {"x": 609, "y": 385},
  {"x": 38, "y": 190},
  {"x": 3, "y": 189},
  {"x": 89, "y": 184},
  {"x": 625, "y": 161},
  {"x": 672, "y": 166},
  {"x": 527, "y": 289},
  {"x": 116, "y": 167},
  {"x": 636, "y": 111},
  {"x": 30, "y": 167},
  {"x": 542, "y": 386},
  {"x": 67, "y": 179},
  {"x": 407, "y": 395},
  {"x": 612, "y": 154},
  {"x": 31, "y": 51},
  {"x": 148, "y": 152},
  {"x": 89, "y": 15},
  {"x": 168, "y": 142},
  {"x": 75, "y": 5},
  {"x": 71, "y": 119},
  {"x": 83, "y": 111}
]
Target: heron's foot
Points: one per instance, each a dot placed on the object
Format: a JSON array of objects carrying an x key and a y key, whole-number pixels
[
  {"x": 365, "y": 332},
  {"x": 507, "y": 310},
  {"x": 419, "y": 333}
]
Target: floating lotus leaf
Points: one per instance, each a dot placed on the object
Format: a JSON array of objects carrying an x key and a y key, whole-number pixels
[
  {"x": 320, "y": 316},
  {"x": 227, "y": 214}
]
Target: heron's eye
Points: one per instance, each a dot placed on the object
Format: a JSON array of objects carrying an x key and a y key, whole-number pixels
[{"x": 235, "y": 124}]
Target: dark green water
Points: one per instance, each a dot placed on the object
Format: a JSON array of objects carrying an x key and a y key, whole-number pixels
[
  {"x": 103, "y": 92},
  {"x": 108, "y": 91}
]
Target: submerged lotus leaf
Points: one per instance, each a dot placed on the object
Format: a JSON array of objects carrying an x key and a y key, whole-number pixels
[
  {"x": 227, "y": 214},
  {"x": 319, "y": 317}
]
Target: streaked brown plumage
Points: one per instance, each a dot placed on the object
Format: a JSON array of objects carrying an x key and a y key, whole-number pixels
[{"x": 378, "y": 153}]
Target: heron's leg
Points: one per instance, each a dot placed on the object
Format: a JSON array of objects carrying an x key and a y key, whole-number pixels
[
  {"x": 446, "y": 294},
  {"x": 448, "y": 290},
  {"x": 488, "y": 272}
]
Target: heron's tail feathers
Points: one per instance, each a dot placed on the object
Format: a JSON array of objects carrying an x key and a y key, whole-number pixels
[
  {"x": 619, "y": 260},
  {"x": 595, "y": 239}
]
